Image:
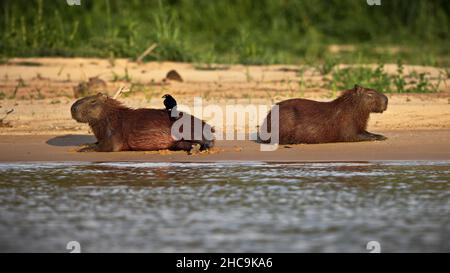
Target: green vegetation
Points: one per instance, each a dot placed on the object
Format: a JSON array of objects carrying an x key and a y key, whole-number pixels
[
  {"x": 125, "y": 77},
  {"x": 327, "y": 65},
  {"x": 380, "y": 80},
  {"x": 230, "y": 31}
]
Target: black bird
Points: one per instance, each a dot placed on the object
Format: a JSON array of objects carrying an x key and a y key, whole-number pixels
[{"x": 170, "y": 103}]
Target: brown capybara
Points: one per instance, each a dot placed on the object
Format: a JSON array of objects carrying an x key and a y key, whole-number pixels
[
  {"x": 341, "y": 120},
  {"x": 119, "y": 128}
]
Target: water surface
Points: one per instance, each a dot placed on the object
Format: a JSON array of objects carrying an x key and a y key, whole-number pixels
[{"x": 225, "y": 207}]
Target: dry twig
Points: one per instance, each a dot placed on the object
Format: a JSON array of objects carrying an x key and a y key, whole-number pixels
[
  {"x": 146, "y": 52},
  {"x": 119, "y": 91}
]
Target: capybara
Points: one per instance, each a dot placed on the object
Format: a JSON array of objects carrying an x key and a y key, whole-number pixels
[
  {"x": 119, "y": 128},
  {"x": 87, "y": 88},
  {"x": 341, "y": 120}
]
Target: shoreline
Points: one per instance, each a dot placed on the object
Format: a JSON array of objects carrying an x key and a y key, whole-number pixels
[
  {"x": 402, "y": 145},
  {"x": 40, "y": 126}
]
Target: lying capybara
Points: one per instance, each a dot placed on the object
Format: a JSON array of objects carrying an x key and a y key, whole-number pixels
[
  {"x": 341, "y": 120},
  {"x": 87, "y": 88},
  {"x": 119, "y": 128}
]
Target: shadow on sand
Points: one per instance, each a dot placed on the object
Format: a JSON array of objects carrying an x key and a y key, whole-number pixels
[{"x": 71, "y": 140}]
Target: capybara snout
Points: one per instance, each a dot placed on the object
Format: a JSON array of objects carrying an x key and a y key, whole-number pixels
[
  {"x": 375, "y": 101},
  {"x": 369, "y": 99},
  {"x": 385, "y": 103},
  {"x": 89, "y": 108},
  {"x": 74, "y": 111}
]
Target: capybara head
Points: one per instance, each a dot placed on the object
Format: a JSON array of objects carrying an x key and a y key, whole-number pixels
[
  {"x": 89, "y": 109},
  {"x": 369, "y": 99}
]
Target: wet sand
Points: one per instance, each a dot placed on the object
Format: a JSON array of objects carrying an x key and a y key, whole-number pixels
[{"x": 401, "y": 145}]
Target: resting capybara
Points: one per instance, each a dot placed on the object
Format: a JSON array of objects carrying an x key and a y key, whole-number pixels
[
  {"x": 119, "y": 128},
  {"x": 341, "y": 120}
]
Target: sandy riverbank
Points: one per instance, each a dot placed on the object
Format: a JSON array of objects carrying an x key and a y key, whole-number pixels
[
  {"x": 40, "y": 90},
  {"x": 401, "y": 145}
]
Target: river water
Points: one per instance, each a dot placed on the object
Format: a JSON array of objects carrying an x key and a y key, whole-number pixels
[{"x": 225, "y": 207}]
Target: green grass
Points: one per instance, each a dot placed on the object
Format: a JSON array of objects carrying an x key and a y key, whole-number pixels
[
  {"x": 229, "y": 31},
  {"x": 387, "y": 83},
  {"x": 327, "y": 65},
  {"x": 125, "y": 77},
  {"x": 210, "y": 67}
]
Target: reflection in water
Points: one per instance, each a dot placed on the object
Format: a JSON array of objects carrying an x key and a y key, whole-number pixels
[{"x": 161, "y": 207}]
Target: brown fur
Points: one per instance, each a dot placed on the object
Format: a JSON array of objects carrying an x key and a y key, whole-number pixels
[
  {"x": 119, "y": 128},
  {"x": 341, "y": 120}
]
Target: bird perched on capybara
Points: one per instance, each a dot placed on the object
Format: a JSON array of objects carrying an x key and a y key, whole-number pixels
[
  {"x": 341, "y": 120},
  {"x": 119, "y": 128},
  {"x": 170, "y": 103}
]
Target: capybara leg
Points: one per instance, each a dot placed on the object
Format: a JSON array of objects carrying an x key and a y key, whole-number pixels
[
  {"x": 109, "y": 145},
  {"x": 97, "y": 147},
  {"x": 185, "y": 145},
  {"x": 182, "y": 146},
  {"x": 104, "y": 146}
]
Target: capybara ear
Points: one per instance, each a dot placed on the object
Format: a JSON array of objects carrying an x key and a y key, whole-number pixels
[{"x": 102, "y": 96}]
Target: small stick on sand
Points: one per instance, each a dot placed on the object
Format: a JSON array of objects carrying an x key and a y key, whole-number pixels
[
  {"x": 6, "y": 115},
  {"x": 146, "y": 52},
  {"x": 121, "y": 90}
]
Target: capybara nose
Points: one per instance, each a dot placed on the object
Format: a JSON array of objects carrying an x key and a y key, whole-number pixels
[
  {"x": 74, "y": 108},
  {"x": 386, "y": 100}
]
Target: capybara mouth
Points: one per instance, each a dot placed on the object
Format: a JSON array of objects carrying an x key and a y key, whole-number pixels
[
  {"x": 75, "y": 114},
  {"x": 73, "y": 111},
  {"x": 77, "y": 118},
  {"x": 384, "y": 106},
  {"x": 381, "y": 110}
]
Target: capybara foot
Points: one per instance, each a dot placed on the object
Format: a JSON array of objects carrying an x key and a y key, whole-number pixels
[
  {"x": 376, "y": 136},
  {"x": 366, "y": 136},
  {"x": 380, "y": 137},
  {"x": 88, "y": 148},
  {"x": 182, "y": 146}
]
